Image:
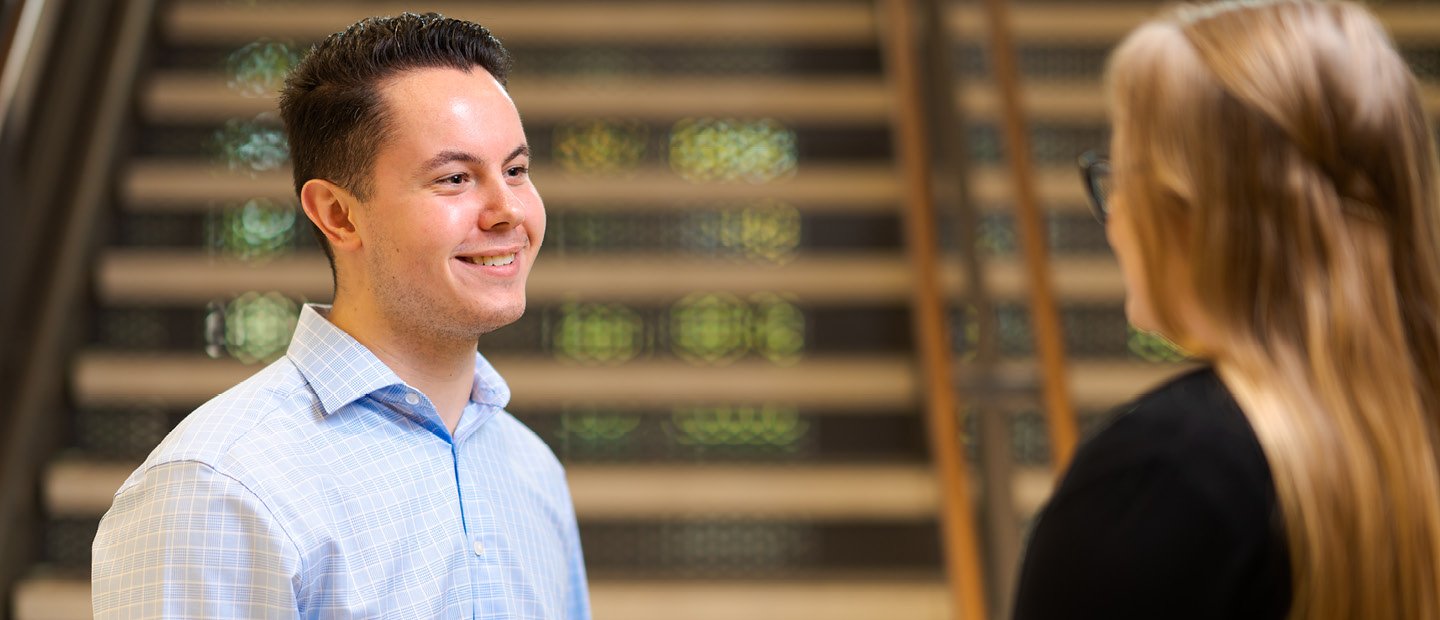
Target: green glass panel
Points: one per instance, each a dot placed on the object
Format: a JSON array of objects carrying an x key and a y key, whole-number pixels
[
  {"x": 728, "y": 150},
  {"x": 967, "y": 332},
  {"x": 605, "y": 147},
  {"x": 258, "y": 229},
  {"x": 258, "y": 69},
  {"x": 595, "y": 428},
  {"x": 738, "y": 425},
  {"x": 1153, "y": 347},
  {"x": 252, "y": 146},
  {"x": 595, "y": 333},
  {"x": 258, "y": 326},
  {"x": 710, "y": 328},
  {"x": 779, "y": 326}
]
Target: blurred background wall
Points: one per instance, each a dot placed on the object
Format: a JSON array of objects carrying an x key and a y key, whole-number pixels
[{"x": 719, "y": 344}]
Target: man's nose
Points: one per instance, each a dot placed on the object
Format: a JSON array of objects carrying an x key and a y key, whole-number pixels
[{"x": 500, "y": 207}]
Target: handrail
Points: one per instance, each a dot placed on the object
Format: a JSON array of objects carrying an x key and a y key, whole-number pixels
[
  {"x": 32, "y": 423},
  {"x": 1044, "y": 318},
  {"x": 34, "y": 23},
  {"x": 990, "y": 423},
  {"x": 932, "y": 335},
  {"x": 33, "y": 26}
]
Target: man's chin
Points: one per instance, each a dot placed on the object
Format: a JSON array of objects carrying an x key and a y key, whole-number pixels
[{"x": 488, "y": 318}]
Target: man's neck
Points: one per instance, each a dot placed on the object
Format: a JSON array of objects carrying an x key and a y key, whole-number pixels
[{"x": 443, "y": 370}]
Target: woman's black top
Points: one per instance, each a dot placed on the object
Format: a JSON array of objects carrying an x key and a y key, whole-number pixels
[{"x": 1168, "y": 512}]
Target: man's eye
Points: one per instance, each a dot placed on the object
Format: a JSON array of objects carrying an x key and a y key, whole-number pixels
[
  {"x": 455, "y": 179},
  {"x": 518, "y": 171}
]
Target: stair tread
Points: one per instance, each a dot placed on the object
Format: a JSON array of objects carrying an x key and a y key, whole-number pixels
[
  {"x": 190, "y": 185},
  {"x": 834, "y": 385},
  {"x": 193, "y": 277},
  {"x": 176, "y": 97},
  {"x": 152, "y": 185},
  {"x": 844, "y": 598},
  {"x": 795, "y": 24},
  {"x": 566, "y": 23},
  {"x": 1071, "y": 23},
  {"x": 76, "y": 487}
]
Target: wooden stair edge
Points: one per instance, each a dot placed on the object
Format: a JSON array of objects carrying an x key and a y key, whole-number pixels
[
  {"x": 1108, "y": 22},
  {"x": 80, "y": 488},
  {"x": 176, "y": 97},
  {"x": 191, "y": 96},
  {"x": 572, "y": 23},
  {"x": 182, "y": 185},
  {"x": 49, "y": 598},
  {"x": 192, "y": 277},
  {"x": 764, "y": 23},
  {"x": 836, "y": 385}
]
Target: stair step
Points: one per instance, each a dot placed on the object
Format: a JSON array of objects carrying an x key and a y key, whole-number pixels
[
  {"x": 540, "y": 383},
  {"x": 50, "y": 598},
  {"x": 1076, "y": 23},
  {"x": 833, "y": 599},
  {"x": 188, "y": 186},
  {"x": 205, "y": 97},
  {"x": 192, "y": 277},
  {"x": 560, "y": 23},
  {"x": 654, "y": 23},
  {"x": 77, "y": 488},
  {"x": 771, "y": 600},
  {"x": 1077, "y": 101},
  {"x": 835, "y": 385}
]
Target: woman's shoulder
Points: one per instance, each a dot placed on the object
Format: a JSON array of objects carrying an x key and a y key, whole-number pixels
[
  {"x": 1190, "y": 419},
  {"x": 1187, "y": 438},
  {"x": 1168, "y": 511}
]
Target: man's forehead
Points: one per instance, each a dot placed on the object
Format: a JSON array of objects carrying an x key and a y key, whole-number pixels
[
  {"x": 437, "y": 96},
  {"x": 429, "y": 111},
  {"x": 416, "y": 78}
]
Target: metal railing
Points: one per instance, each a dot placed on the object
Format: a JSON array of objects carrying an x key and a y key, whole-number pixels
[
  {"x": 922, "y": 80},
  {"x": 63, "y": 122}
]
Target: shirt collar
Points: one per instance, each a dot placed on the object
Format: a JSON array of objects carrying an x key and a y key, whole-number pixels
[
  {"x": 341, "y": 370},
  {"x": 489, "y": 387}
]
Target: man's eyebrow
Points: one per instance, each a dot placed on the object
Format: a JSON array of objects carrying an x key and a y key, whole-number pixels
[
  {"x": 523, "y": 149},
  {"x": 445, "y": 157},
  {"x": 449, "y": 156}
]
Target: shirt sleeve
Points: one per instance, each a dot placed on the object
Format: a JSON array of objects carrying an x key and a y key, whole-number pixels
[
  {"x": 579, "y": 600},
  {"x": 185, "y": 541}
]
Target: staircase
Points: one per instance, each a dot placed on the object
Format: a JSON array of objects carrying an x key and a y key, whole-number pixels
[{"x": 718, "y": 343}]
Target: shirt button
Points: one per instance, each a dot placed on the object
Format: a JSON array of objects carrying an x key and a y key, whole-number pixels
[
  {"x": 412, "y": 398},
  {"x": 479, "y": 547}
]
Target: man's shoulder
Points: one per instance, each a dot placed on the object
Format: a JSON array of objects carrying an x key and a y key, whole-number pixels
[
  {"x": 520, "y": 436},
  {"x": 274, "y": 401}
]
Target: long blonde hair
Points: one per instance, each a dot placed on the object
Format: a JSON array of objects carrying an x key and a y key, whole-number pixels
[{"x": 1277, "y": 154}]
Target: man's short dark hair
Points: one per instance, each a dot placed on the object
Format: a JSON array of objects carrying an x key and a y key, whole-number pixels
[{"x": 334, "y": 115}]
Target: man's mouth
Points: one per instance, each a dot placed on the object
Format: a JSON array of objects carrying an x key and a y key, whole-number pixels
[{"x": 499, "y": 260}]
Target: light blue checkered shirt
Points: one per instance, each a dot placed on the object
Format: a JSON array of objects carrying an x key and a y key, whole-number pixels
[{"x": 324, "y": 487}]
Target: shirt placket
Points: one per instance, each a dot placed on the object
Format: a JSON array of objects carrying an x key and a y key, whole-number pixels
[
  {"x": 486, "y": 581},
  {"x": 471, "y": 546}
]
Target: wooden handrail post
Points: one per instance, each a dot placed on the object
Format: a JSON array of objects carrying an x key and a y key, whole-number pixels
[
  {"x": 1044, "y": 318},
  {"x": 932, "y": 334}
]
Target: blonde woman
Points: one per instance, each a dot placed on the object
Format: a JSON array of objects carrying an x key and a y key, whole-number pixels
[{"x": 1272, "y": 201}]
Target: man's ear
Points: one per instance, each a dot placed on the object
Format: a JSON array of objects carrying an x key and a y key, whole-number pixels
[{"x": 331, "y": 208}]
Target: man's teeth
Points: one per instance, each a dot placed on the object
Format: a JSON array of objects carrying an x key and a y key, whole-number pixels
[{"x": 490, "y": 261}]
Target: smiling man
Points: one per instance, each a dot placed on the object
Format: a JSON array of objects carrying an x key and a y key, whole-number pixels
[{"x": 373, "y": 471}]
